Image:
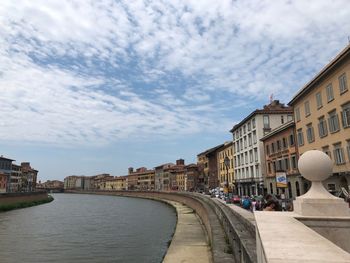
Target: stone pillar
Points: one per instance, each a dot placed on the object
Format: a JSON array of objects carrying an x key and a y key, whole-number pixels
[{"x": 316, "y": 167}]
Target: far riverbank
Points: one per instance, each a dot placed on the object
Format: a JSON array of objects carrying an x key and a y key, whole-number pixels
[{"x": 11, "y": 201}]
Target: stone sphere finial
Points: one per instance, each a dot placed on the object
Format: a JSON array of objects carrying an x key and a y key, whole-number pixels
[{"x": 315, "y": 166}]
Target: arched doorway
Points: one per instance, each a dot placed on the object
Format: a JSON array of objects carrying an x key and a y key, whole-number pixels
[
  {"x": 290, "y": 194},
  {"x": 297, "y": 187},
  {"x": 271, "y": 188}
]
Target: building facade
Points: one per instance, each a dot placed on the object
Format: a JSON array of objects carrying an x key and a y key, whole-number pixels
[
  {"x": 226, "y": 173},
  {"x": 249, "y": 156},
  {"x": 281, "y": 156},
  {"x": 322, "y": 118},
  {"x": 5, "y": 174},
  {"x": 16, "y": 178},
  {"x": 29, "y": 177},
  {"x": 207, "y": 162}
]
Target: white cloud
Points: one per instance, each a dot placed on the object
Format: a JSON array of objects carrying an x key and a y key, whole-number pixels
[{"x": 99, "y": 71}]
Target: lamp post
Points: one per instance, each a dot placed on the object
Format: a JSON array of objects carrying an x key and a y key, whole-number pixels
[{"x": 227, "y": 164}]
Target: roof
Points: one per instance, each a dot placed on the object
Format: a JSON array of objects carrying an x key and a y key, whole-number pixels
[
  {"x": 278, "y": 130},
  {"x": 275, "y": 107},
  {"x": 344, "y": 54},
  {"x": 4, "y": 158},
  {"x": 211, "y": 150},
  {"x": 165, "y": 164}
]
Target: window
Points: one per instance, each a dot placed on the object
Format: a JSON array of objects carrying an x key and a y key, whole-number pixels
[
  {"x": 253, "y": 123},
  {"x": 252, "y": 171},
  {"x": 293, "y": 162},
  {"x": 273, "y": 147},
  {"x": 249, "y": 126},
  {"x": 326, "y": 150},
  {"x": 269, "y": 167},
  {"x": 245, "y": 141},
  {"x": 310, "y": 133},
  {"x": 267, "y": 149},
  {"x": 286, "y": 164},
  {"x": 300, "y": 137},
  {"x": 343, "y": 86},
  {"x": 345, "y": 114},
  {"x": 291, "y": 140},
  {"x": 329, "y": 91},
  {"x": 284, "y": 143},
  {"x": 256, "y": 154},
  {"x": 246, "y": 157},
  {"x": 254, "y": 137},
  {"x": 338, "y": 154},
  {"x": 250, "y": 139},
  {"x": 251, "y": 156},
  {"x": 297, "y": 114},
  {"x": 333, "y": 122},
  {"x": 348, "y": 148},
  {"x": 322, "y": 127},
  {"x": 282, "y": 119},
  {"x": 244, "y": 129},
  {"x": 266, "y": 120},
  {"x": 279, "y": 165},
  {"x": 319, "y": 100},
  {"x": 257, "y": 171},
  {"x": 307, "y": 108},
  {"x": 278, "y": 145},
  {"x": 289, "y": 117}
]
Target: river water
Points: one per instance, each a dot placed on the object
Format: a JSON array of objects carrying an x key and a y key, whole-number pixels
[{"x": 87, "y": 228}]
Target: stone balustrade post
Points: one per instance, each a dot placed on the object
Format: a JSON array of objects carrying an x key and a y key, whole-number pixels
[{"x": 316, "y": 166}]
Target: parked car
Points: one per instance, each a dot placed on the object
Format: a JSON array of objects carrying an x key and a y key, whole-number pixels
[{"x": 236, "y": 199}]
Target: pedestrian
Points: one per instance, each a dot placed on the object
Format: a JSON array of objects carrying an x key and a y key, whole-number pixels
[
  {"x": 271, "y": 205},
  {"x": 246, "y": 203},
  {"x": 253, "y": 207}
]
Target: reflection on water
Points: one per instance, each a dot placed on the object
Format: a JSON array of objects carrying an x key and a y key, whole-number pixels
[{"x": 87, "y": 228}]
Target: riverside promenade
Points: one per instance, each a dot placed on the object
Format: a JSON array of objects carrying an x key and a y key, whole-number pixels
[{"x": 190, "y": 242}]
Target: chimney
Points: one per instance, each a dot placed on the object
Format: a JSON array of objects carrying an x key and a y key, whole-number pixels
[
  {"x": 130, "y": 170},
  {"x": 180, "y": 162}
]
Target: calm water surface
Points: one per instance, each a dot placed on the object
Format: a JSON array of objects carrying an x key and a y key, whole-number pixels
[{"x": 87, "y": 228}]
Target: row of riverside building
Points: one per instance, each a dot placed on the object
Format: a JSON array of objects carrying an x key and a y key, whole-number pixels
[
  {"x": 165, "y": 177},
  {"x": 16, "y": 178},
  {"x": 267, "y": 142}
]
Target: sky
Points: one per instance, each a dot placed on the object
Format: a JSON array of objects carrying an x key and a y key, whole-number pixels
[{"x": 89, "y": 87}]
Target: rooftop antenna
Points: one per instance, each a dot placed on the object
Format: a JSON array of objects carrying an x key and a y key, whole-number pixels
[{"x": 271, "y": 98}]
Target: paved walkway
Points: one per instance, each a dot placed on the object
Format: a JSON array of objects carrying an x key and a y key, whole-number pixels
[{"x": 189, "y": 243}]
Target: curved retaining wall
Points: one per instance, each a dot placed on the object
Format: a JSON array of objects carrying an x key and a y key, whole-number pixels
[
  {"x": 231, "y": 234},
  {"x": 14, "y": 198}
]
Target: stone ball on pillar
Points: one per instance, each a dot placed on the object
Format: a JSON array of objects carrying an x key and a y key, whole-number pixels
[{"x": 315, "y": 166}]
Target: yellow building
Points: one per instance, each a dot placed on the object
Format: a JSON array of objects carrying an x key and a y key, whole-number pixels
[
  {"x": 322, "y": 117},
  {"x": 180, "y": 180},
  {"x": 226, "y": 173},
  {"x": 115, "y": 184}
]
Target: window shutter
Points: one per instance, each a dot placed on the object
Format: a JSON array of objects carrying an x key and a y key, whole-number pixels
[
  {"x": 336, "y": 121},
  {"x": 342, "y": 113},
  {"x": 335, "y": 156}
]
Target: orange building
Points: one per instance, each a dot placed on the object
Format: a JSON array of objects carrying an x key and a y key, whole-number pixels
[{"x": 281, "y": 157}]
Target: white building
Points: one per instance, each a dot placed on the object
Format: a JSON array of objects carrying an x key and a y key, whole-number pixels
[{"x": 249, "y": 157}]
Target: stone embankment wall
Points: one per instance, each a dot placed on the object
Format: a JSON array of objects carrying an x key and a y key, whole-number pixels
[
  {"x": 14, "y": 198},
  {"x": 231, "y": 234}
]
